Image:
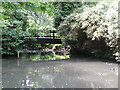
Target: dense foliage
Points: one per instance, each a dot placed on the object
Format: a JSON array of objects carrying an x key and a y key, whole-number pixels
[
  {"x": 20, "y": 19},
  {"x": 92, "y": 30},
  {"x": 87, "y": 27},
  {"x": 63, "y": 9}
]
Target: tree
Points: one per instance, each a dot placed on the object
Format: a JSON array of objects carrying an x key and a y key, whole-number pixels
[
  {"x": 63, "y": 9},
  {"x": 92, "y": 30},
  {"x": 15, "y": 23}
]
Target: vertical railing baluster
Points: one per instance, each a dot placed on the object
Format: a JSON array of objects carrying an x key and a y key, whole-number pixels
[{"x": 53, "y": 34}]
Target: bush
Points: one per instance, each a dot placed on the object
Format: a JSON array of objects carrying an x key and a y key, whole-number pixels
[{"x": 92, "y": 30}]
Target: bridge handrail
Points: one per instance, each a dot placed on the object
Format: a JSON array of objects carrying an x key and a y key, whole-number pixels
[{"x": 47, "y": 36}]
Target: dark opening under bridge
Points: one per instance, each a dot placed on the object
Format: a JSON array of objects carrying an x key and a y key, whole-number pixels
[{"x": 44, "y": 39}]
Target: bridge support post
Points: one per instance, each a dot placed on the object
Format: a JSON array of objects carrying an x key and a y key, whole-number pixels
[{"x": 53, "y": 35}]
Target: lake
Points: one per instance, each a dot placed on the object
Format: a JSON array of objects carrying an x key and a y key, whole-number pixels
[{"x": 30, "y": 71}]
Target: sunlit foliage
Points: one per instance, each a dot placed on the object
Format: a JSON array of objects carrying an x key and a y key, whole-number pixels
[
  {"x": 21, "y": 19},
  {"x": 63, "y": 9},
  {"x": 92, "y": 30}
]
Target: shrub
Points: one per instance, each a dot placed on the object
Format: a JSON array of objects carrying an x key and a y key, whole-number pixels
[{"x": 92, "y": 30}]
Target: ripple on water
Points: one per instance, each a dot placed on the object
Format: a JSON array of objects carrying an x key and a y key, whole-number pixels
[{"x": 66, "y": 74}]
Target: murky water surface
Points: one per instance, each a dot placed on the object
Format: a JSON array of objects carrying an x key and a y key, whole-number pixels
[{"x": 72, "y": 73}]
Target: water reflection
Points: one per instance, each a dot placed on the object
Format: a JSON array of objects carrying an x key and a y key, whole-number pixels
[
  {"x": 45, "y": 55},
  {"x": 73, "y": 73}
]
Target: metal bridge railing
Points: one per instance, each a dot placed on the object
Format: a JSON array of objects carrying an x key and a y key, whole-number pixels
[{"x": 47, "y": 34}]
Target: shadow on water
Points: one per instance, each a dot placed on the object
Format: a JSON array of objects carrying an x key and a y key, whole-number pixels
[
  {"x": 85, "y": 57},
  {"x": 34, "y": 71}
]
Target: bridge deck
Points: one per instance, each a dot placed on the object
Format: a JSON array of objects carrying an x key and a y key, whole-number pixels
[{"x": 30, "y": 40}]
